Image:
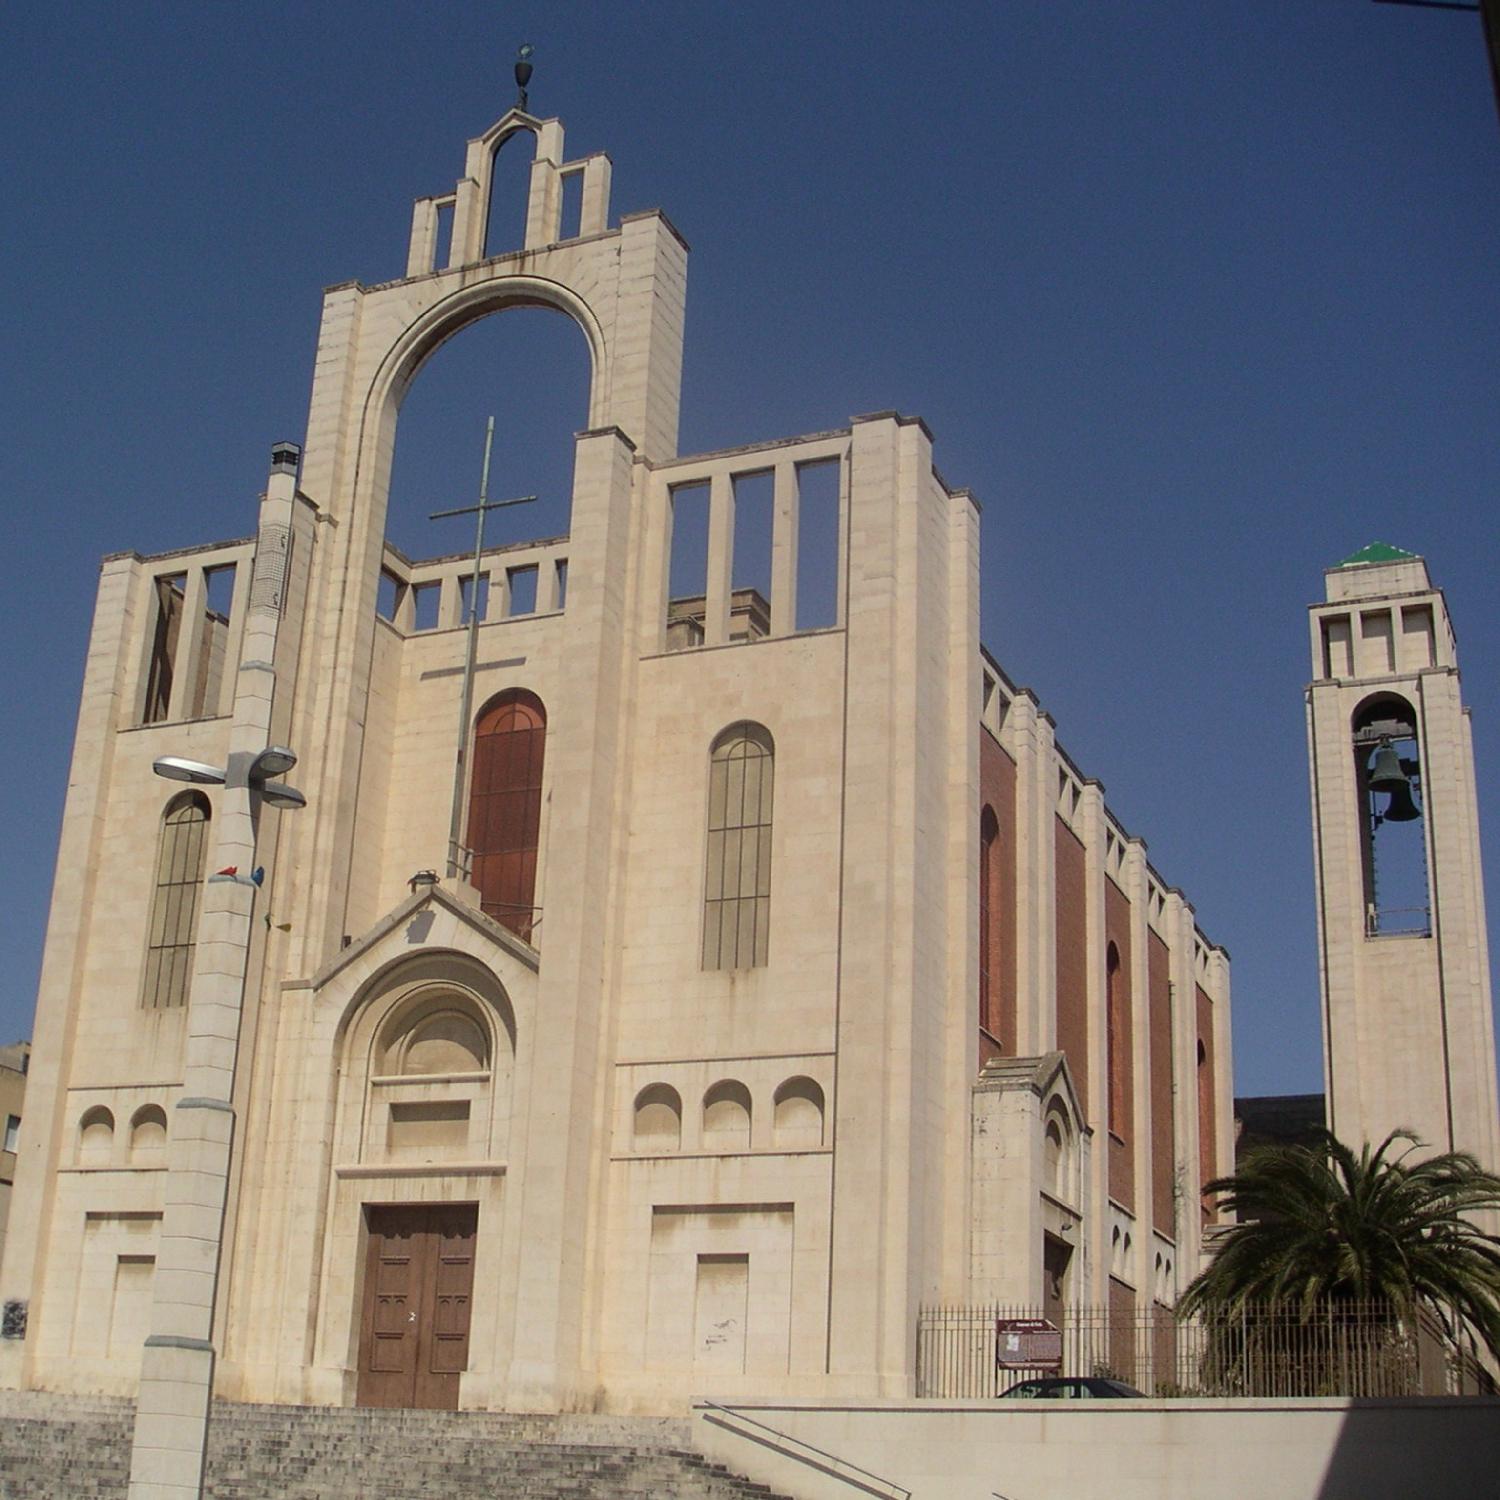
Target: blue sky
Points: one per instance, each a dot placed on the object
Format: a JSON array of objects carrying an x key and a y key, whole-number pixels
[{"x": 1196, "y": 298}]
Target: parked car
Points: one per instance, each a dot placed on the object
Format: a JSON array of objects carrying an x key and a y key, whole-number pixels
[{"x": 1069, "y": 1388}]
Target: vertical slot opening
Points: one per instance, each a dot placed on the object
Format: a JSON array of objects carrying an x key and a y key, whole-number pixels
[
  {"x": 388, "y": 596},
  {"x": 171, "y": 595},
  {"x": 425, "y": 598},
  {"x": 818, "y": 544},
  {"x": 466, "y": 589},
  {"x": 522, "y": 583},
  {"x": 750, "y": 562},
  {"x": 442, "y": 254},
  {"x": 510, "y": 190},
  {"x": 687, "y": 573},
  {"x": 572, "y": 206}
]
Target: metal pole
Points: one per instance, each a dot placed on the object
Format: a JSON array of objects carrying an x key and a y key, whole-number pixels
[{"x": 466, "y": 698}]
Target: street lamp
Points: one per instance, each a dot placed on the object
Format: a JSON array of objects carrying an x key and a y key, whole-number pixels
[{"x": 170, "y": 1443}]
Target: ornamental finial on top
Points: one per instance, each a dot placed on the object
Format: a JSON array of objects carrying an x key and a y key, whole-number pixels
[{"x": 523, "y": 73}]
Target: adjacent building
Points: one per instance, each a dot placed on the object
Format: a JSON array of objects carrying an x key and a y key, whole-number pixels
[{"x": 15, "y": 1061}]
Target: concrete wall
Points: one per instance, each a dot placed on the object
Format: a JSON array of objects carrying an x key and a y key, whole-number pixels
[{"x": 1118, "y": 1450}]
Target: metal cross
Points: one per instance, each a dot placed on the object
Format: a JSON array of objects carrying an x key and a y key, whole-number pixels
[{"x": 456, "y": 864}]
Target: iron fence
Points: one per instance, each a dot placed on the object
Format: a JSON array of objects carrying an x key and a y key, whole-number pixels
[{"x": 1355, "y": 1349}]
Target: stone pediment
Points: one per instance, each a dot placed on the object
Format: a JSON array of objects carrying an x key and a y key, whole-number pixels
[
  {"x": 512, "y": 120},
  {"x": 430, "y": 919},
  {"x": 1042, "y": 1075}
]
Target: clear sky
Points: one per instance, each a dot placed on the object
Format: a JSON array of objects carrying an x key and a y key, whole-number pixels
[{"x": 1197, "y": 298}]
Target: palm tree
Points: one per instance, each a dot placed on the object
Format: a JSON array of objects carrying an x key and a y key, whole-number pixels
[{"x": 1320, "y": 1227}]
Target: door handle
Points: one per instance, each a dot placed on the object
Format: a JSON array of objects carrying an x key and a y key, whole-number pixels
[{"x": 411, "y": 1317}]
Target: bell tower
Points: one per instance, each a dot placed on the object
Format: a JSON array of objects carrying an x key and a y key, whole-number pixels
[{"x": 1408, "y": 1033}]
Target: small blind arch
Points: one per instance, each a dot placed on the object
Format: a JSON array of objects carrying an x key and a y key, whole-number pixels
[
  {"x": 726, "y": 1116},
  {"x": 798, "y": 1115},
  {"x": 505, "y": 807},
  {"x": 148, "y": 1135},
  {"x": 657, "y": 1123},
  {"x": 96, "y": 1136}
]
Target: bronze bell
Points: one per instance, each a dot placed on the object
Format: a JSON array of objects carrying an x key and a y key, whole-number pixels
[
  {"x": 1386, "y": 774},
  {"x": 1389, "y": 774},
  {"x": 1401, "y": 808}
]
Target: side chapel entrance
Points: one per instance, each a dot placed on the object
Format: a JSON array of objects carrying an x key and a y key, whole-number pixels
[{"x": 418, "y": 1292}]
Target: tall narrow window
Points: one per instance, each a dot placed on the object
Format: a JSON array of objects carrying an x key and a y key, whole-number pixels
[
  {"x": 737, "y": 887},
  {"x": 989, "y": 834},
  {"x": 505, "y": 807},
  {"x": 174, "y": 909},
  {"x": 1118, "y": 1040}
]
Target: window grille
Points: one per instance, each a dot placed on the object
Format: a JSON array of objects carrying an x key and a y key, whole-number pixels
[
  {"x": 174, "y": 910},
  {"x": 737, "y": 887}
]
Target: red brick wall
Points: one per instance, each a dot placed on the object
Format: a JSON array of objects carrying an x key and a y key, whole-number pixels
[
  {"x": 1206, "y": 1121},
  {"x": 997, "y": 790},
  {"x": 1158, "y": 975},
  {"x": 1122, "y": 1062},
  {"x": 1072, "y": 956}
]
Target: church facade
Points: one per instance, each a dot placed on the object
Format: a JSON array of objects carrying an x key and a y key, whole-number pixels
[{"x": 781, "y": 977}]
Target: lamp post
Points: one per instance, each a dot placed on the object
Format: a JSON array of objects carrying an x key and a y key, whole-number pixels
[{"x": 169, "y": 1449}]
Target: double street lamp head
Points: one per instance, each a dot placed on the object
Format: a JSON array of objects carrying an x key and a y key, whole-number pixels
[{"x": 274, "y": 760}]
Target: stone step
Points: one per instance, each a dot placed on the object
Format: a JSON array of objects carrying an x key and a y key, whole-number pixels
[{"x": 65, "y": 1448}]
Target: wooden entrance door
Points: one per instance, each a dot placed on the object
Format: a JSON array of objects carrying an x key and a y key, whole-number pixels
[{"x": 414, "y": 1326}]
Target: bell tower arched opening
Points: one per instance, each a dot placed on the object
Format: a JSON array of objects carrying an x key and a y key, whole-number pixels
[{"x": 1388, "y": 775}]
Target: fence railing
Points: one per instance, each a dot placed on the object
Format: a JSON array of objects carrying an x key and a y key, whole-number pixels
[{"x": 1355, "y": 1349}]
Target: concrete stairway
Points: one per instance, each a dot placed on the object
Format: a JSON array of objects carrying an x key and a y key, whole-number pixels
[{"x": 78, "y": 1448}]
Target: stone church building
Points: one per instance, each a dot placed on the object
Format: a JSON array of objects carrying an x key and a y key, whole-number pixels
[{"x": 783, "y": 977}]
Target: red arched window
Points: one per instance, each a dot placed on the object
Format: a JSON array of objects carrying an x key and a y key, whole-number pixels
[
  {"x": 989, "y": 835},
  {"x": 1118, "y": 1040},
  {"x": 505, "y": 807},
  {"x": 1206, "y": 1142}
]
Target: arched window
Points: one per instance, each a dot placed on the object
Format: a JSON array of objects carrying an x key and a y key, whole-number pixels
[
  {"x": 989, "y": 835},
  {"x": 1055, "y": 1157},
  {"x": 737, "y": 887},
  {"x": 1117, "y": 1022},
  {"x": 1205, "y": 1124},
  {"x": 505, "y": 807},
  {"x": 174, "y": 908}
]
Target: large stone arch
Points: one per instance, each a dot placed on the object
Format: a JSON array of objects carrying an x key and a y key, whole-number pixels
[{"x": 467, "y": 305}]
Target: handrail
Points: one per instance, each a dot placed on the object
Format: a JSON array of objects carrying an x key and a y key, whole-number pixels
[{"x": 830, "y": 1463}]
